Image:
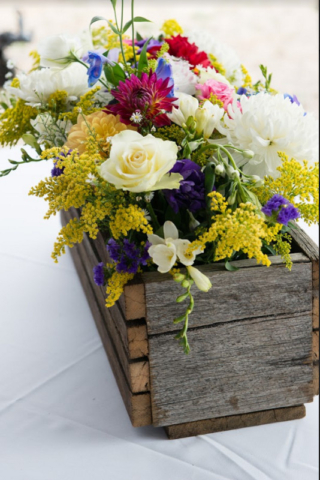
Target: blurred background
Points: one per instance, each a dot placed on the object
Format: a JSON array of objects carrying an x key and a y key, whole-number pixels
[{"x": 282, "y": 34}]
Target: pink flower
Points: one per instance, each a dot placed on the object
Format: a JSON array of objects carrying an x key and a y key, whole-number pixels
[
  {"x": 220, "y": 90},
  {"x": 148, "y": 96}
]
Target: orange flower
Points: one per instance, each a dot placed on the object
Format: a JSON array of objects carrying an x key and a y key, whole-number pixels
[{"x": 98, "y": 123}]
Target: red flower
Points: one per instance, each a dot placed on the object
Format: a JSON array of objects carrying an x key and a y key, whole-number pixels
[
  {"x": 148, "y": 96},
  {"x": 180, "y": 47}
]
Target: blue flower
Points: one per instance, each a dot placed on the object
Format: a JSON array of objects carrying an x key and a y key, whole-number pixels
[
  {"x": 96, "y": 61},
  {"x": 98, "y": 274},
  {"x": 292, "y": 98},
  {"x": 281, "y": 209},
  {"x": 241, "y": 91},
  {"x": 164, "y": 71}
]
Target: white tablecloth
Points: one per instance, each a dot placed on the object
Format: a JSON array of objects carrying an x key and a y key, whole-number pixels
[{"x": 61, "y": 414}]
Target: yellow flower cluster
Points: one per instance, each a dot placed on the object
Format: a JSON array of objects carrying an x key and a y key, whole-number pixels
[
  {"x": 100, "y": 124},
  {"x": 299, "y": 183},
  {"x": 105, "y": 37},
  {"x": 15, "y": 122},
  {"x": 129, "y": 218},
  {"x": 84, "y": 106},
  {"x": 283, "y": 247},
  {"x": 73, "y": 189},
  {"x": 116, "y": 284},
  {"x": 36, "y": 60},
  {"x": 215, "y": 100},
  {"x": 217, "y": 65},
  {"x": 57, "y": 102},
  {"x": 240, "y": 230},
  {"x": 247, "y": 82},
  {"x": 171, "y": 28}
]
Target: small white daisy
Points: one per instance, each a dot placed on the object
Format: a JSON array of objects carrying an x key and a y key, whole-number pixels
[{"x": 136, "y": 117}]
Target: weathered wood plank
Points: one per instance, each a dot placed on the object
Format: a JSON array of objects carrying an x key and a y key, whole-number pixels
[
  {"x": 305, "y": 243},
  {"x": 137, "y": 373},
  {"x": 223, "y": 424},
  {"x": 138, "y": 405},
  {"x": 315, "y": 345},
  {"x": 133, "y": 334},
  {"x": 316, "y": 378},
  {"x": 248, "y": 293},
  {"x": 233, "y": 368}
]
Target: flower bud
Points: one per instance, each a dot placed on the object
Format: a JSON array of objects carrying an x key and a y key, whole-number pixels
[
  {"x": 182, "y": 298},
  {"x": 257, "y": 180},
  {"x": 232, "y": 199},
  {"x": 193, "y": 224},
  {"x": 248, "y": 153},
  {"x": 220, "y": 170},
  {"x": 185, "y": 284},
  {"x": 179, "y": 277},
  {"x": 202, "y": 282}
]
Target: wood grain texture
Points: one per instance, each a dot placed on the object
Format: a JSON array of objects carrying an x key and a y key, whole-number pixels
[
  {"x": 138, "y": 405},
  {"x": 137, "y": 373},
  {"x": 223, "y": 424},
  {"x": 248, "y": 293},
  {"x": 316, "y": 378},
  {"x": 315, "y": 345},
  {"x": 133, "y": 334},
  {"x": 305, "y": 243},
  {"x": 233, "y": 368}
]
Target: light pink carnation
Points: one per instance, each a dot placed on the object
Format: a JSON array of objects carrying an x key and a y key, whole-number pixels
[{"x": 212, "y": 87}]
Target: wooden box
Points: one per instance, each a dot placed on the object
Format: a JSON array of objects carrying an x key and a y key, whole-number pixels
[{"x": 254, "y": 342}]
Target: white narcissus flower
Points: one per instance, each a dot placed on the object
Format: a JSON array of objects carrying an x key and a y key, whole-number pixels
[
  {"x": 222, "y": 52},
  {"x": 267, "y": 124},
  {"x": 208, "y": 116},
  {"x": 37, "y": 86},
  {"x": 184, "y": 79},
  {"x": 58, "y": 50},
  {"x": 202, "y": 282},
  {"x": 165, "y": 251},
  {"x": 140, "y": 164}
]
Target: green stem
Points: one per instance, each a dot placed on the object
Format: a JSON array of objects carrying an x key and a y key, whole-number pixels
[
  {"x": 120, "y": 34},
  {"x": 133, "y": 46},
  {"x": 153, "y": 216}
]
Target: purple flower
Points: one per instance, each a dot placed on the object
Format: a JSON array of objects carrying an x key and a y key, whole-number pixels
[
  {"x": 98, "y": 274},
  {"x": 282, "y": 210},
  {"x": 241, "y": 91},
  {"x": 288, "y": 214},
  {"x": 56, "y": 171},
  {"x": 292, "y": 98},
  {"x": 274, "y": 204},
  {"x": 191, "y": 194},
  {"x": 152, "y": 44},
  {"x": 127, "y": 255}
]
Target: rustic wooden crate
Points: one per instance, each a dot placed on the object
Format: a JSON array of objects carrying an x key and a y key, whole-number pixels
[{"x": 254, "y": 342}]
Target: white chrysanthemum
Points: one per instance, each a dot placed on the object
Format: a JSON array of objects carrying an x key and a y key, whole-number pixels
[
  {"x": 222, "y": 52},
  {"x": 268, "y": 124},
  {"x": 58, "y": 50},
  {"x": 37, "y": 86},
  {"x": 184, "y": 78}
]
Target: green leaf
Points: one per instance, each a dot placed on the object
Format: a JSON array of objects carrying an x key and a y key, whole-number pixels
[
  {"x": 31, "y": 140},
  {"x": 135, "y": 20},
  {"x": 114, "y": 74},
  {"x": 114, "y": 3},
  {"x": 209, "y": 178},
  {"x": 13, "y": 162},
  {"x": 139, "y": 37},
  {"x": 143, "y": 60},
  {"x": 230, "y": 267},
  {"x": 270, "y": 249},
  {"x": 4, "y": 105},
  {"x": 113, "y": 28}
]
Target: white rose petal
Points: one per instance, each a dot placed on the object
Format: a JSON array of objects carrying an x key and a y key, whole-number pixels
[{"x": 140, "y": 164}]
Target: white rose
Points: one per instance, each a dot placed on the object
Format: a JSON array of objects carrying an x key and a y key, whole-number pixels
[
  {"x": 140, "y": 164},
  {"x": 57, "y": 50}
]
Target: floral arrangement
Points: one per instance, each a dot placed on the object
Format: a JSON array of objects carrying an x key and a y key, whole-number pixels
[{"x": 167, "y": 147}]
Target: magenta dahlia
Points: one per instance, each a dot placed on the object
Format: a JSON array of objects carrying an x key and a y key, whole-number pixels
[{"x": 143, "y": 100}]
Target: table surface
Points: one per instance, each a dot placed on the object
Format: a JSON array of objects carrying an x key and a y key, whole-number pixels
[{"x": 61, "y": 414}]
